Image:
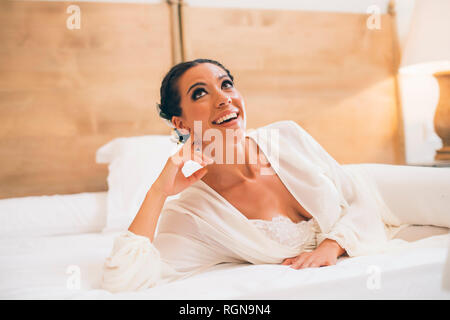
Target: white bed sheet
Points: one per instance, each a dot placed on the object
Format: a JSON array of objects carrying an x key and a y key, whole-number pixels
[{"x": 36, "y": 268}]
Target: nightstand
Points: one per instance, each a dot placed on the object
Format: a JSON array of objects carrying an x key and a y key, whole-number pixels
[{"x": 436, "y": 164}]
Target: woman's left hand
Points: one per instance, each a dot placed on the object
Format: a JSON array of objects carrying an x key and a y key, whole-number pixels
[{"x": 325, "y": 254}]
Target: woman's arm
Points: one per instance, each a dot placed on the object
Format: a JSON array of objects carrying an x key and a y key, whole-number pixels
[
  {"x": 146, "y": 219},
  {"x": 359, "y": 228},
  {"x": 135, "y": 261},
  {"x": 333, "y": 246},
  {"x": 171, "y": 181}
]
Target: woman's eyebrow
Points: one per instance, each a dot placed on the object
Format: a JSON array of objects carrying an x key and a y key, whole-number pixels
[
  {"x": 202, "y": 83},
  {"x": 195, "y": 84}
]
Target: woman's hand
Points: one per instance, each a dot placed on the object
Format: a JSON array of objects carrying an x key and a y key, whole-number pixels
[
  {"x": 325, "y": 254},
  {"x": 171, "y": 180}
]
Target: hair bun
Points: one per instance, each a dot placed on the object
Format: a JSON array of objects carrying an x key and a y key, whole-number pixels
[{"x": 161, "y": 113}]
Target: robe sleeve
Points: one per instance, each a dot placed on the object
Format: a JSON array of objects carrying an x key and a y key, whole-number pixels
[
  {"x": 178, "y": 250},
  {"x": 134, "y": 264},
  {"x": 359, "y": 229}
]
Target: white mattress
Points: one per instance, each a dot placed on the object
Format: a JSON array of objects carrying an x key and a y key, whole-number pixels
[
  {"x": 44, "y": 267},
  {"x": 36, "y": 268}
]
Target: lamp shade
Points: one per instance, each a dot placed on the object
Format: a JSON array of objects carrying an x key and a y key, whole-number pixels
[{"x": 427, "y": 47}]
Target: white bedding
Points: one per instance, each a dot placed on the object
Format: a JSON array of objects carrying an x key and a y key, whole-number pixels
[
  {"x": 37, "y": 268},
  {"x": 53, "y": 215},
  {"x": 47, "y": 267}
]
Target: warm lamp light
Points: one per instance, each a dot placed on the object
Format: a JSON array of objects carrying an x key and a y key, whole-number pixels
[{"x": 427, "y": 51}]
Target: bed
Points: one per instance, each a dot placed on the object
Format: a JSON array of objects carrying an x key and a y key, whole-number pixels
[
  {"x": 51, "y": 265},
  {"x": 80, "y": 141},
  {"x": 409, "y": 275}
]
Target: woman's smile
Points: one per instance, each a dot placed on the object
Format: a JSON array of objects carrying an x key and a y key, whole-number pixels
[{"x": 226, "y": 118}]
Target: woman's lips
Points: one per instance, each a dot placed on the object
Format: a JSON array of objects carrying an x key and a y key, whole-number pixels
[{"x": 228, "y": 123}]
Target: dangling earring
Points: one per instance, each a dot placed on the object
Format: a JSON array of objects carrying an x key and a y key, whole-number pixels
[{"x": 181, "y": 138}]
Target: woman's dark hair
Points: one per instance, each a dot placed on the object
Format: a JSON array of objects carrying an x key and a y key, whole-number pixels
[{"x": 170, "y": 96}]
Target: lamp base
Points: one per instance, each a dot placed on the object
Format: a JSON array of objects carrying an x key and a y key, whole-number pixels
[
  {"x": 442, "y": 115},
  {"x": 443, "y": 154}
]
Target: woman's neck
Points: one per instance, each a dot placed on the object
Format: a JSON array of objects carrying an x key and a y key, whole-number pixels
[{"x": 222, "y": 176}]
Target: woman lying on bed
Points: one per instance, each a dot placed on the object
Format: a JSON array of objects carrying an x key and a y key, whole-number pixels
[{"x": 272, "y": 195}]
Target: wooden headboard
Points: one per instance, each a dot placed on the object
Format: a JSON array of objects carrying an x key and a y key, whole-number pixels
[{"x": 67, "y": 92}]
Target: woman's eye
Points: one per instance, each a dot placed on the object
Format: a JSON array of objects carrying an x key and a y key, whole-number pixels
[
  {"x": 227, "y": 83},
  {"x": 197, "y": 94},
  {"x": 200, "y": 92}
]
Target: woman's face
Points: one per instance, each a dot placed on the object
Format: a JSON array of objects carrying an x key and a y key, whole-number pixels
[{"x": 207, "y": 95}]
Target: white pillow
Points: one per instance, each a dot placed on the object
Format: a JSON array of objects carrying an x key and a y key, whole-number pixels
[
  {"x": 134, "y": 165},
  {"x": 52, "y": 215}
]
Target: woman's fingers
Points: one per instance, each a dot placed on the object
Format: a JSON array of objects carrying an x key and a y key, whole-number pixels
[
  {"x": 199, "y": 159},
  {"x": 197, "y": 175},
  {"x": 312, "y": 259},
  {"x": 207, "y": 159},
  {"x": 189, "y": 152},
  {"x": 202, "y": 159},
  {"x": 305, "y": 260},
  {"x": 196, "y": 150},
  {"x": 185, "y": 153},
  {"x": 298, "y": 263},
  {"x": 309, "y": 262},
  {"x": 287, "y": 261},
  {"x": 193, "y": 147}
]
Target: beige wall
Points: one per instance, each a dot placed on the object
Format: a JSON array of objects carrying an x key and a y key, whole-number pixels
[
  {"x": 327, "y": 71},
  {"x": 65, "y": 92}
]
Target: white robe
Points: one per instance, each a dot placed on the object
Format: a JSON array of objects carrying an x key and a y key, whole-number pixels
[{"x": 201, "y": 228}]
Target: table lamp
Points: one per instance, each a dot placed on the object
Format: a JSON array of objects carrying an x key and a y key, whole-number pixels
[{"x": 427, "y": 51}]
